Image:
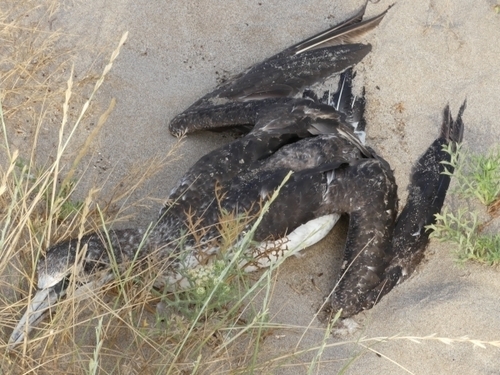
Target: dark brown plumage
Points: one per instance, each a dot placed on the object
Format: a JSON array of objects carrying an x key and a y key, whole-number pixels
[{"x": 279, "y": 79}]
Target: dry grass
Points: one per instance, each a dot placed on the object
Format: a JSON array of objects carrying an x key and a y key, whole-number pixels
[{"x": 115, "y": 329}]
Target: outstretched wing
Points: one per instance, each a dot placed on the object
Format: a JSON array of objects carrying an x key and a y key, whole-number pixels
[{"x": 278, "y": 79}]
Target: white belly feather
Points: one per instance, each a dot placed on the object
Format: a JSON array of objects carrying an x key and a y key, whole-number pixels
[
  {"x": 305, "y": 235},
  {"x": 262, "y": 255}
]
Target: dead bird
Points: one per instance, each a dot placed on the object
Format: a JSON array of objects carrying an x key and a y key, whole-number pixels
[{"x": 333, "y": 173}]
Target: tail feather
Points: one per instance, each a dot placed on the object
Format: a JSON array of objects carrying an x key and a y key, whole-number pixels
[
  {"x": 453, "y": 130},
  {"x": 428, "y": 188}
]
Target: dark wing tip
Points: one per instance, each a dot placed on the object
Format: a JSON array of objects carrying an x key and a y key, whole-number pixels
[
  {"x": 344, "y": 33},
  {"x": 451, "y": 130}
]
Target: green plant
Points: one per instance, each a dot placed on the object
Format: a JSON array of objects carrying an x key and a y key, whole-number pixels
[
  {"x": 477, "y": 178},
  {"x": 464, "y": 229}
]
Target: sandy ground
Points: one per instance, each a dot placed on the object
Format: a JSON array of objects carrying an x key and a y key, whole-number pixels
[{"x": 425, "y": 54}]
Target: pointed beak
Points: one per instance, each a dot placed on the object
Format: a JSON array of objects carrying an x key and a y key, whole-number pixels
[
  {"x": 39, "y": 306},
  {"x": 45, "y": 298}
]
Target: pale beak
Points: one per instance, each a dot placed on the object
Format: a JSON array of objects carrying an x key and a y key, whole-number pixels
[
  {"x": 39, "y": 306},
  {"x": 46, "y": 298}
]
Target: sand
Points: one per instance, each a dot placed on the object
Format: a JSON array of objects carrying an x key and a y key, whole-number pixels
[{"x": 425, "y": 54}]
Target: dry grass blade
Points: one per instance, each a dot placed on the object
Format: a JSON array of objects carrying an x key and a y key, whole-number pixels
[{"x": 36, "y": 209}]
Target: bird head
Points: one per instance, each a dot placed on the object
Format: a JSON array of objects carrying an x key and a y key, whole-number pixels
[{"x": 71, "y": 262}]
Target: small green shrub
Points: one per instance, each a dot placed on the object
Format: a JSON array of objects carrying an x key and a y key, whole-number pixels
[
  {"x": 478, "y": 176},
  {"x": 478, "y": 179}
]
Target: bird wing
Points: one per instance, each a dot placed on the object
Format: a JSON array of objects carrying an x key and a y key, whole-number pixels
[{"x": 281, "y": 76}]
